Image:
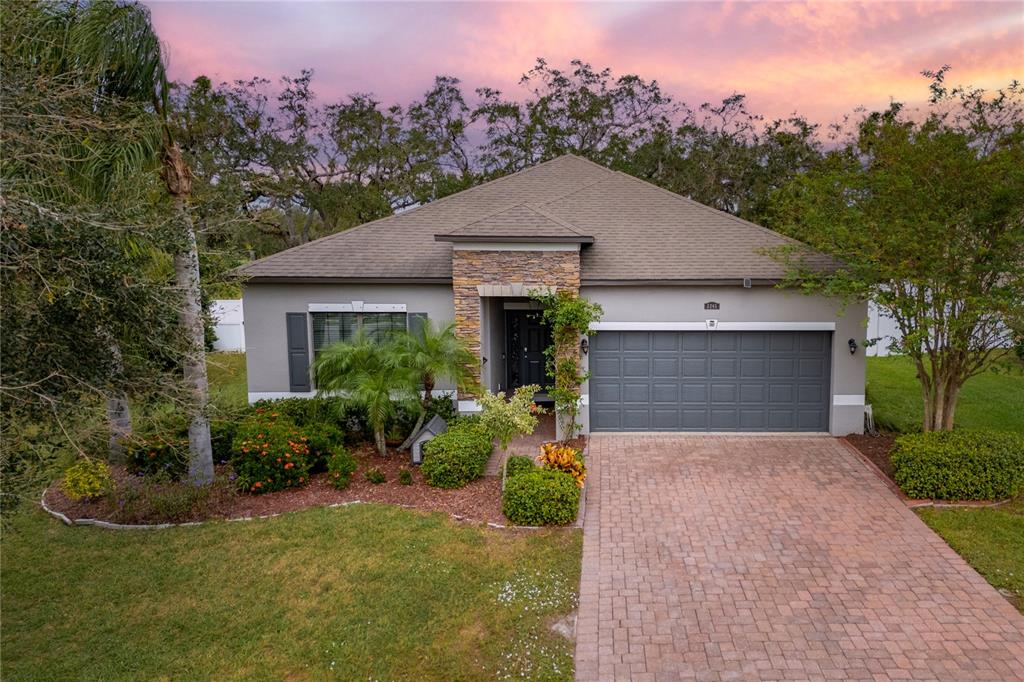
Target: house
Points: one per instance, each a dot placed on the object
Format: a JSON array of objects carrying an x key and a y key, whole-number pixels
[{"x": 694, "y": 335}]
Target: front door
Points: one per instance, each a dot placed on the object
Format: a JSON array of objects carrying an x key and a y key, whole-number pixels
[{"x": 527, "y": 337}]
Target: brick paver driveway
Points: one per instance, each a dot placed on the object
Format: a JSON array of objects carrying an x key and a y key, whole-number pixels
[{"x": 717, "y": 557}]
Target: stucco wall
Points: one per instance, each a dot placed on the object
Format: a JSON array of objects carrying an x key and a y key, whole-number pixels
[
  {"x": 265, "y": 305},
  {"x": 758, "y": 304}
]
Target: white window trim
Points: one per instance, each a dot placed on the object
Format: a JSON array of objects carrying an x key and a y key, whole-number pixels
[
  {"x": 721, "y": 326},
  {"x": 357, "y": 307}
]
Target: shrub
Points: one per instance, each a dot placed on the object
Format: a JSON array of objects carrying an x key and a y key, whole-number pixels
[
  {"x": 324, "y": 440},
  {"x": 340, "y": 467},
  {"x": 405, "y": 477},
  {"x": 375, "y": 476},
  {"x": 457, "y": 456},
  {"x": 222, "y": 435},
  {"x": 563, "y": 458},
  {"x": 518, "y": 464},
  {"x": 541, "y": 497},
  {"x": 86, "y": 479},
  {"x": 506, "y": 419},
  {"x": 959, "y": 465},
  {"x": 270, "y": 453},
  {"x": 159, "y": 455}
]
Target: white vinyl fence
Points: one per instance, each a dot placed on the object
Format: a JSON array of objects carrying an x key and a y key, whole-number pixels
[{"x": 227, "y": 316}]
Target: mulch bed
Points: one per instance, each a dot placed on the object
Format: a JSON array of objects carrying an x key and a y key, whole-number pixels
[
  {"x": 875, "y": 448},
  {"x": 479, "y": 501}
]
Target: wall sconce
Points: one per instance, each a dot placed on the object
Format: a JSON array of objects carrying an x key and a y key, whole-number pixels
[
  {"x": 853, "y": 346},
  {"x": 584, "y": 346}
]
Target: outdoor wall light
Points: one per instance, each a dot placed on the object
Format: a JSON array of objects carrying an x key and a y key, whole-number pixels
[
  {"x": 853, "y": 346},
  {"x": 584, "y": 346}
]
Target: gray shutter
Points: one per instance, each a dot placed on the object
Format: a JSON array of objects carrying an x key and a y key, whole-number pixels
[
  {"x": 298, "y": 352},
  {"x": 417, "y": 323}
]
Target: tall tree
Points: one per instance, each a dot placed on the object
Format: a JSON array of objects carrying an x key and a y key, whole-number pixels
[
  {"x": 117, "y": 44},
  {"x": 924, "y": 212}
]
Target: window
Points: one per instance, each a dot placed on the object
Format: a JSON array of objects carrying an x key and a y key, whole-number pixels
[{"x": 329, "y": 328}]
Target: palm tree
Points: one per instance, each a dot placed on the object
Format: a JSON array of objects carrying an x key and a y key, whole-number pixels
[
  {"x": 434, "y": 353},
  {"x": 369, "y": 373},
  {"x": 116, "y": 45}
]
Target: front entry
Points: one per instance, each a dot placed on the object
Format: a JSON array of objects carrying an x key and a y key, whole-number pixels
[{"x": 526, "y": 338}]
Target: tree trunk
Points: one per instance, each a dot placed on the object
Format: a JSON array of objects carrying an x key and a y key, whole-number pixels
[
  {"x": 380, "y": 441},
  {"x": 428, "y": 390},
  {"x": 190, "y": 317},
  {"x": 940, "y": 398},
  {"x": 119, "y": 417}
]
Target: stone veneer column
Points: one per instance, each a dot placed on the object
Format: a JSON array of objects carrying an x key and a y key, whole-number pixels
[{"x": 470, "y": 268}]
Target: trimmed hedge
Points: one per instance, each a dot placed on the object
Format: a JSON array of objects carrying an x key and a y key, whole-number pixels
[
  {"x": 518, "y": 464},
  {"x": 457, "y": 456},
  {"x": 543, "y": 497},
  {"x": 959, "y": 465}
]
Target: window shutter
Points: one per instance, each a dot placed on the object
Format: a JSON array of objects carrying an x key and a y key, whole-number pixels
[
  {"x": 417, "y": 323},
  {"x": 298, "y": 352}
]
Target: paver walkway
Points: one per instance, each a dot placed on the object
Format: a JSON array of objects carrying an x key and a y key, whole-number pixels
[{"x": 773, "y": 558}]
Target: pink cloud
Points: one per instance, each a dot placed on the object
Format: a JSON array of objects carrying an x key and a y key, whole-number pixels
[{"x": 821, "y": 59}]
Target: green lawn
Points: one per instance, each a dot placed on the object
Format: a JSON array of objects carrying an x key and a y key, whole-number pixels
[
  {"x": 993, "y": 400},
  {"x": 991, "y": 540},
  {"x": 226, "y": 372},
  {"x": 362, "y": 592}
]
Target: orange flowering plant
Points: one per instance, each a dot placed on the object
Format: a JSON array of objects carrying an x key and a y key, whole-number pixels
[
  {"x": 270, "y": 453},
  {"x": 563, "y": 458}
]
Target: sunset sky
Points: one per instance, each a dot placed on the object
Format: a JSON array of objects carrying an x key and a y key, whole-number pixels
[{"x": 820, "y": 59}]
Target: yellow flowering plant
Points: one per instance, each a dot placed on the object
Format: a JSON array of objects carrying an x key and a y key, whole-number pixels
[{"x": 563, "y": 458}]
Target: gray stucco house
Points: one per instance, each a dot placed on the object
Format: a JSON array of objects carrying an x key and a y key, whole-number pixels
[{"x": 694, "y": 337}]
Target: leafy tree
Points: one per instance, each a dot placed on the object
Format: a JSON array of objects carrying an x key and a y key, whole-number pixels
[
  {"x": 581, "y": 111},
  {"x": 369, "y": 373},
  {"x": 86, "y": 300},
  {"x": 434, "y": 353},
  {"x": 116, "y": 46},
  {"x": 925, "y": 216}
]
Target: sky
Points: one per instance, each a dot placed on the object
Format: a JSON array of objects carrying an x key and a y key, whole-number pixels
[{"x": 819, "y": 59}]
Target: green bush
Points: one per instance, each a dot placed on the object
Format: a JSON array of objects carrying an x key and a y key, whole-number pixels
[
  {"x": 159, "y": 454},
  {"x": 222, "y": 435},
  {"x": 518, "y": 464},
  {"x": 270, "y": 453},
  {"x": 457, "y": 456},
  {"x": 542, "y": 497},
  {"x": 324, "y": 440},
  {"x": 959, "y": 465},
  {"x": 375, "y": 476},
  {"x": 340, "y": 467},
  {"x": 86, "y": 479},
  {"x": 405, "y": 477}
]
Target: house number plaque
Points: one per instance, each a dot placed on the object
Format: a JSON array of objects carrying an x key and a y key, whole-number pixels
[{"x": 711, "y": 305}]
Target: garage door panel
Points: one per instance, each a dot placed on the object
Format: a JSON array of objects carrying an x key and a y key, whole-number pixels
[
  {"x": 633, "y": 367},
  {"x": 724, "y": 367},
  {"x": 724, "y": 393},
  {"x": 636, "y": 393},
  {"x": 665, "y": 367},
  {"x": 665, "y": 341},
  {"x": 636, "y": 420},
  {"x": 666, "y": 393},
  {"x": 718, "y": 381}
]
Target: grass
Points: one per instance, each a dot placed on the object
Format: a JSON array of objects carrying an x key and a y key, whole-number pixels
[
  {"x": 356, "y": 592},
  {"x": 991, "y": 400},
  {"x": 991, "y": 540},
  {"x": 226, "y": 373}
]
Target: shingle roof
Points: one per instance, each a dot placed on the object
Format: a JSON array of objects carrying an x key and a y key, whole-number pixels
[
  {"x": 639, "y": 231},
  {"x": 522, "y": 222}
]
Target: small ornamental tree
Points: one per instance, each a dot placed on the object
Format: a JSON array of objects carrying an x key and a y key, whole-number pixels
[
  {"x": 506, "y": 419},
  {"x": 569, "y": 317},
  {"x": 925, "y": 217}
]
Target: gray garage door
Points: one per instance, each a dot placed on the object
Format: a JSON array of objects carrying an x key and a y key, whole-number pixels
[{"x": 709, "y": 381}]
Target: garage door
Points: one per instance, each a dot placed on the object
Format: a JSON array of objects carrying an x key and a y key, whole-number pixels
[{"x": 709, "y": 381}]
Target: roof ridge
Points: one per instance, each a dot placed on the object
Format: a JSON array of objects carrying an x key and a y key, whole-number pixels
[
  {"x": 436, "y": 202},
  {"x": 555, "y": 219},
  {"x": 712, "y": 209}
]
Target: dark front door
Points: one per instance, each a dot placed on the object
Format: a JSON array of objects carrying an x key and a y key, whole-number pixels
[{"x": 527, "y": 337}]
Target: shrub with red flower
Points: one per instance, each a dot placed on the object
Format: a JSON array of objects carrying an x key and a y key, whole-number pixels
[{"x": 270, "y": 453}]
